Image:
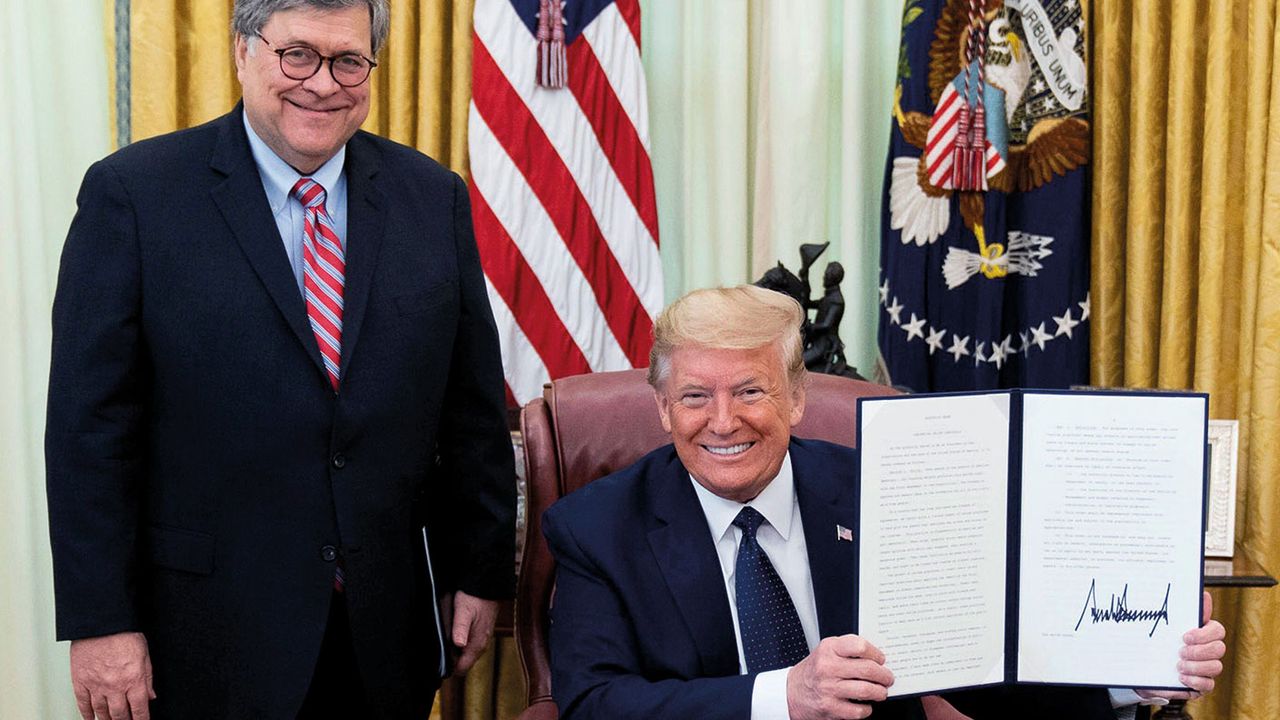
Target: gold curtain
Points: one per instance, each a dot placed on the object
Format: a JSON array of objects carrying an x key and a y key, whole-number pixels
[
  {"x": 1186, "y": 261},
  {"x": 181, "y": 74}
]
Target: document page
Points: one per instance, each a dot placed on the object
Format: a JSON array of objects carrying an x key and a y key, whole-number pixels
[
  {"x": 1112, "y": 493},
  {"x": 931, "y": 567}
]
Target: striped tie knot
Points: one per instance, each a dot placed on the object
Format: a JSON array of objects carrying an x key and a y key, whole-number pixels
[
  {"x": 323, "y": 274},
  {"x": 310, "y": 193}
]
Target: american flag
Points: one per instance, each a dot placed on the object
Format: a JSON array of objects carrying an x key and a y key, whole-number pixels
[
  {"x": 943, "y": 134},
  {"x": 562, "y": 187}
]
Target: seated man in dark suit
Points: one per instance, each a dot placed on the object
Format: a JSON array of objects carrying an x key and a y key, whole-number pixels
[{"x": 705, "y": 582}]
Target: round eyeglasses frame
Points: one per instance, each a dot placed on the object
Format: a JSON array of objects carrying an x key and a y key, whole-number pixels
[{"x": 290, "y": 72}]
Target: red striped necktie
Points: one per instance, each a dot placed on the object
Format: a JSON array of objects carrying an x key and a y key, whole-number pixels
[
  {"x": 323, "y": 270},
  {"x": 323, "y": 273}
]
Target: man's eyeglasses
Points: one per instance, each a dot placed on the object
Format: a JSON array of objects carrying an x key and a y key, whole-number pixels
[{"x": 299, "y": 62}]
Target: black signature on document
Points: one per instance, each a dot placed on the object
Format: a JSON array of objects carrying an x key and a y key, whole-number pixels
[{"x": 1119, "y": 610}]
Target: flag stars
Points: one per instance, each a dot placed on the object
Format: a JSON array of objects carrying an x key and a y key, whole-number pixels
[
  {"x": 997, "y": 355},
  {"x": 1039, "y": 337},
  {"x": 884, "y": 292},
  {"x": 995, "y": 351},
  {"x": 895, "y": 312},
  {"x": 1001, "y": 352},
  {"x": 915, "y": 328},
  {"x": 1065, "y": 323},
  {"x": 934, "y": 341}
]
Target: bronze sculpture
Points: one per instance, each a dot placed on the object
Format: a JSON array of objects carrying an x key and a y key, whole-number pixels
[{"x": 823, "y": 349}]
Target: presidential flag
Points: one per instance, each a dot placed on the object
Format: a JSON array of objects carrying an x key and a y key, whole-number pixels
[
  {"x": 984, "y": 254},
  {"x": 562, "y": 187}
]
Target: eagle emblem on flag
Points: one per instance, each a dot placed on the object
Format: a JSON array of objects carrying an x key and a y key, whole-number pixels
[{"x": 987, "y": 159}]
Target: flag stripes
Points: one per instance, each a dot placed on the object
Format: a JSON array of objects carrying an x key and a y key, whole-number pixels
[
  {"x": 565, "y": 148},
  {"x": 618, "y": 138},
  {"x": 515, "y": 281},
  {"x": 526, "y": 224},
  {"x": 562, "y": 196},
  {"x": 941, "y": 141}
]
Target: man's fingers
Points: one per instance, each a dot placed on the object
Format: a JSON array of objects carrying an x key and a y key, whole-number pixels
[
  {"x": 1202, "y": 668},
  {"x": 1202, "y": 685},
  {"x": 461, "y": 625},
  {"x": 852, "y": 711},
  {"x": 1207, "y": 633},
  {"x": 866, "y": 670},
  {"x": 100, "y": 709},
  {"x": 150, "y": 676},
  {"x": 470, "y": 654},
  {"x": 1206, "y": 651},
  {"x": 861, "y": 691},
  {"x": 139, "y": 703},
  {"x": 118, "y": 707},
  {"x": 1200, "y": 681},
  {"x": 1206, "y": 605},
  {"x": 83, "y": 704},
  {"x": 852, "y": 646}
]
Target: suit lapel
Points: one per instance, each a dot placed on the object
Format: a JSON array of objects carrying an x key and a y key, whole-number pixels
[
  {"x": 243, "y": 205},
  {"x": 365, "y": 224},
  {"x": 825, "y": 503},
  {"x": 686, "y": 556}
]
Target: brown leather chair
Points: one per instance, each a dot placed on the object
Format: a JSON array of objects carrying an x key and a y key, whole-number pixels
[{"x": 587, "y": 426}]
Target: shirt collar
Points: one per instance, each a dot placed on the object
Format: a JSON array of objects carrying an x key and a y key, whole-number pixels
[
  {"x": 278, "y": 177},
  {"x": 775, "y": 503}
]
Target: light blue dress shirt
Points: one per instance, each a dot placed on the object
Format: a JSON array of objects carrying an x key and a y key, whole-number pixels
[{"x": 278, "y": 179}]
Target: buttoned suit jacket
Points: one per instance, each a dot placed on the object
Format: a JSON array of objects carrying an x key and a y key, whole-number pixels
[
  {"x": 204, "y": 477},
  {"x": 640, "y": 620}
]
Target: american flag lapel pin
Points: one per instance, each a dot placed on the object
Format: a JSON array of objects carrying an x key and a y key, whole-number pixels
[{"x": 844, "y": 533}]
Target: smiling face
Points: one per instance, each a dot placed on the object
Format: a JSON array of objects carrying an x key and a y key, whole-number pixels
[
  {"x": 305, "y": 122},
  {"x": 730, "y": 414}
]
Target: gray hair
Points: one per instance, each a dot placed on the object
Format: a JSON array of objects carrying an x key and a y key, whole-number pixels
[{"x": 249, "y": 16}]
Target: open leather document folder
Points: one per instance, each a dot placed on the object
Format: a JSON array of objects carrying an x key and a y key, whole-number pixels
[{"x": 1026, "y": 536}]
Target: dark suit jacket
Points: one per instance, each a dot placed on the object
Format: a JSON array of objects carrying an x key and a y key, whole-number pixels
[
  {"x": 202, "y": 472},
  {"x": 640, "y": 622}
]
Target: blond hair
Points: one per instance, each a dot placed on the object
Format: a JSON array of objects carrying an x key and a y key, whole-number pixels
[{"x": 743, "y": 317}]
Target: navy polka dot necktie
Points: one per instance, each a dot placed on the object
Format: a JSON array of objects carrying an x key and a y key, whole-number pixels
[{"x": 772, "y": 637}]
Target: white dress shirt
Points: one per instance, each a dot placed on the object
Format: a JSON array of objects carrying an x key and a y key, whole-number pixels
[{"x": 781, "y": 537}]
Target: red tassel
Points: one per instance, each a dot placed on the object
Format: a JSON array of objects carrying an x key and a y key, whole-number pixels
[
  {"x": 978, "y": 148},
  {"x": 960, "y": 156},
  {"x": 553, "y": 65}
]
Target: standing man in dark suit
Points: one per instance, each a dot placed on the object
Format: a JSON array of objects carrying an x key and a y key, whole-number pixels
[
  {"x": 709, "y": 580},
  {"x": 276, "y": 431}
]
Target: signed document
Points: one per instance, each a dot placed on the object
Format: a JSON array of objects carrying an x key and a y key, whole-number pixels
[{"x": 1030, "y": 536}]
